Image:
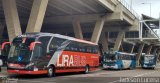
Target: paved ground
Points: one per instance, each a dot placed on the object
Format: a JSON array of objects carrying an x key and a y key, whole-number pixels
[{"x": 99, "y": 76}]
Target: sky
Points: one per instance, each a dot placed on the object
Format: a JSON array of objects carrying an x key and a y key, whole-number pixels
[{"x": 145, "y": 8}]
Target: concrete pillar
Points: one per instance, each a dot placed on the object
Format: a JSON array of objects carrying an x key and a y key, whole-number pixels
[
  {"x": 1, "y": 30},
  {"x": 104, "y": 41},
  {"x": 77, "y": 29},
  {"x": 119, "y": 40},
  {"x": 140, "y": 50},
  {"x": 155, "y": 50},
  {"x": 121, "y": 48},
  {"x": 149, "y": 49},
  {"x": 158, "y": 54},
  {"x": 132, "y": 49},
  {"x": 97, "y": 30},
  {"x": 37, "y": 16},
  {"x": 12, "y": 19}
]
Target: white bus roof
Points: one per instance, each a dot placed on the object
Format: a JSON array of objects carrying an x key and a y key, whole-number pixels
[{"x": 37, "y": 34}]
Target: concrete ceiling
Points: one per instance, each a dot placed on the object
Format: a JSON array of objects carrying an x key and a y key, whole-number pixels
[{"x": 60, "y": 8}]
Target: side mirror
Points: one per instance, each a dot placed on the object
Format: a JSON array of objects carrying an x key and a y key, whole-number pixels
[
  {"x": 5, "y": 43},
  {"x": 1, "y": 62}
]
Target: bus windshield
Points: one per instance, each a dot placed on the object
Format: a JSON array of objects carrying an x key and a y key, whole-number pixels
[
  {"x": 110, "y": 56},
  {"x": 20, "y": 51},
  {"x": 149, "y": 59}
]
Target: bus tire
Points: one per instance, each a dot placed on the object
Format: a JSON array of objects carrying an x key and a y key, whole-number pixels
[
  {"x": 153, "y": 68},
  {"x": 132, "y": 67},
  {"x": 86, "y": 69},
  {"x": 51, "y": 71}
]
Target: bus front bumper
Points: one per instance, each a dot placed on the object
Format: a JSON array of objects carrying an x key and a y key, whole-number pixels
[
  {"x": 27, "y": 72},
  {"x": 149, "y": 66},
  {"x": 110, "y": 67}
]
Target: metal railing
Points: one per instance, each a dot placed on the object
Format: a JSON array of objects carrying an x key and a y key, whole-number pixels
[{"x": 127, "y": 6}]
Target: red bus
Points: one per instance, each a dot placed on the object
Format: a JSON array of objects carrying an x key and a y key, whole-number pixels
[{"x": 47, "y": 53}]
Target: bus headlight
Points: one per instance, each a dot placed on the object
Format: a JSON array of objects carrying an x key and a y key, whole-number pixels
[
  {"x": 29, "y": 65},
  {"x": 153, "y": 65},
  {"x": 145, "y": 65}
]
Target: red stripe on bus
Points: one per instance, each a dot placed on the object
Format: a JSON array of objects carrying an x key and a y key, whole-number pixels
[{"x": 27, "y": 72}]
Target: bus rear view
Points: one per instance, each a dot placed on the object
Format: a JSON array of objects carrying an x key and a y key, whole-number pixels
[
  {"x": 148, "y": 61},
  {"x": 46, "y": 53}
]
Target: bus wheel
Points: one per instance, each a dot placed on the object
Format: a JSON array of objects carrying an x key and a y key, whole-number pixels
[
  {"x": 153, "y": 68},
  {"x": 86, "y": 69},
  {"x": 51, "y": 72},
  {"x": 131, "y": 67}
]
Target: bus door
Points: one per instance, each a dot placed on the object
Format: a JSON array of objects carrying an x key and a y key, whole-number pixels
[
  {"x": 39, "y": 56},
  {"x": 4, "y": 51}
]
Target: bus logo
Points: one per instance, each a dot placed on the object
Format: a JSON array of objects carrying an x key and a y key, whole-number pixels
[{"x": 71, "y": 60}]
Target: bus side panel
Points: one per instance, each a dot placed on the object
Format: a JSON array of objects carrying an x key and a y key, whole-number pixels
[
  {"x": 120, "y": 64},
  {"x": 76, "y": 61},
  {"x": 126, "y": 63},
  {"x": 93, "y": 61},
  {"x": 133, "y": 63}
]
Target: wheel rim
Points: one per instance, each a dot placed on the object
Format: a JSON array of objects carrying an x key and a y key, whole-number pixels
[
  {"x": 50, "y": 71},
  {"x": 87, "y": 69}
]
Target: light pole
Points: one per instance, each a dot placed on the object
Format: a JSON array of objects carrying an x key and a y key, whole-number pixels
[
  {"x": 131, "y": 3},
  {"x": 150, "y": 7}
]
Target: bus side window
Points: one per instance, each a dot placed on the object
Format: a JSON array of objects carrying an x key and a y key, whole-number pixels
[
  {"x": 44, "y": 40},
  {"x": 55, "y": 44},
  {"x": 37, "y": 51},
  {"x": 6, "y": 50}
]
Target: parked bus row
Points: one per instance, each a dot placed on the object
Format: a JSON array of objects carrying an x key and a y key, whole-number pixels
[{"x": 46, "y": 53}]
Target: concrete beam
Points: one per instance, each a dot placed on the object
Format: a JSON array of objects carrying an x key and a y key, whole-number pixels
[
  {"x": 109, "y": 17},
  {"x": 128, "y": 19},
  {"x": 158, "y": 54},
  {"x": 149, "y": 49},
  {"x": 12, "y": 19},
  {"x": 97, "y": 30},
  {"x": 104, "y": 41},
  {"x": 90, "y": 29},
  {"x": 70, "y": 18},
  {"x": 126, "y": 14},
  {"x": 140, "y": 50},
  {"x": 77, "y": 29},
  {"x": 119, "y": 40},
  {"x": 37, "y": 15},
  {"x": 84, "y": 18},
  {"x": 132, "y": 49},
  {"x": 121, "y": 28},
  {"x": 117, "y": 16},
  {"x": 154, "y": 50}
]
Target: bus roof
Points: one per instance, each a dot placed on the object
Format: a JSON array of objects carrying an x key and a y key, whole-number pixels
[
  {"x": 126, "y": 53},
  {"x": 38, "y": 34},
  {"x": 149, "y": 55}
]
